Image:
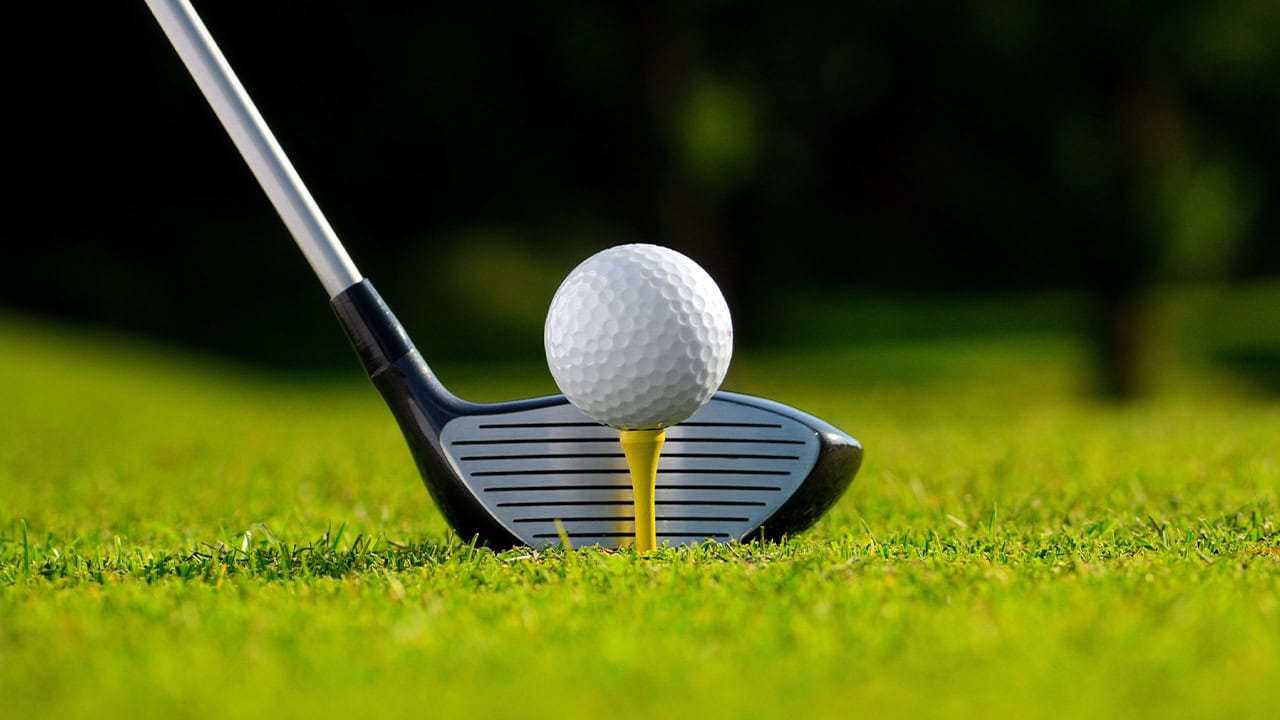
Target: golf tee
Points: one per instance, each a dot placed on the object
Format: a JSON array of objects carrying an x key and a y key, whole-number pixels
[{"x": 642, "y": 448}]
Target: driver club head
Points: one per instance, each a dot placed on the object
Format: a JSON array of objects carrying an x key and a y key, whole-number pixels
[{"x": 515, "y": 473}]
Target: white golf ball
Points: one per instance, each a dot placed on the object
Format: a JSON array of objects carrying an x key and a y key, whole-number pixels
[{"x": 638, "y": 337}]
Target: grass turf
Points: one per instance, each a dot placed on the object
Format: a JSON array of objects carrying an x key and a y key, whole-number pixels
[{"x": 180, "y": 538}]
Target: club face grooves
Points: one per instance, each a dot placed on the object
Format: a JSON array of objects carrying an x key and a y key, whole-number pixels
[
  {"x": 692, "y": 483},
  {"x": 505, "y": 473}
]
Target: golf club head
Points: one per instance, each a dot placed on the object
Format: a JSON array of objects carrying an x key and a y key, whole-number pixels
[{"x": 516, "y": 473}]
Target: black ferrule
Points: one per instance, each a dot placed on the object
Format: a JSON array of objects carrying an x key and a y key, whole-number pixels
[{"x": 378, "y": 338}]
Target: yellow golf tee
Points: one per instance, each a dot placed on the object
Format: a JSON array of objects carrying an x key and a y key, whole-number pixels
[{"x": 642, "y": 448}]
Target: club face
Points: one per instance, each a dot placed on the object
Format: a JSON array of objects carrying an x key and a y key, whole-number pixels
[
  {"x": 517, "y": 472},
  {"x": 725, "y": 474}
]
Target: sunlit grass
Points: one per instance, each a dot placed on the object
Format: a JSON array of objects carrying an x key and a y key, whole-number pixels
[{"x": 185, "y": 538}]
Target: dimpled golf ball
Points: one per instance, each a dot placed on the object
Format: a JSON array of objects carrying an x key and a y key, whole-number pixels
[{"x": 638, "y": 337}]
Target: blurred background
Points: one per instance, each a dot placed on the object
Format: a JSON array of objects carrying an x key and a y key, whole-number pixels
[{"x": 853, "y": 174}]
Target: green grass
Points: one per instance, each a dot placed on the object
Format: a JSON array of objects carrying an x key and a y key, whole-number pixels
[{"x": 180, "y": 538}]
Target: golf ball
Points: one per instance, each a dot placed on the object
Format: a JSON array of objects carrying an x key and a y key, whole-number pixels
[{"x": 638, "y": 337}]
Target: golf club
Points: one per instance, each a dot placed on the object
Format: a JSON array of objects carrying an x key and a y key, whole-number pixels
[{"x": 518, "y": 472}]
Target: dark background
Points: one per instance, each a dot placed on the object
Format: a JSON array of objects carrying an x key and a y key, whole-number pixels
[{"x": 469, "y": 156}]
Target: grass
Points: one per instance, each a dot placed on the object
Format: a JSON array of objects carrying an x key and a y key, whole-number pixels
[{"x": 181, "y": 538}]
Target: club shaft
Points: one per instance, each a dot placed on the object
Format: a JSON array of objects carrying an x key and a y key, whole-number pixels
[{"x": 243, "y": 122}]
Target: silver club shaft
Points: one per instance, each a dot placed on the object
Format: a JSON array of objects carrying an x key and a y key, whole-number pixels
[{"x": 243, "y": 122}]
